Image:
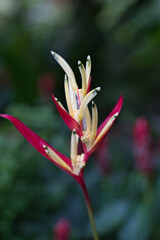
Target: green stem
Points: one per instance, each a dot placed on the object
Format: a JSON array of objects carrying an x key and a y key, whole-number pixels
[{"x": 89, "y": 208}]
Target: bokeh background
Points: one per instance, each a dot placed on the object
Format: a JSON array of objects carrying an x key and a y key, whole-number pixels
[{"x": 123, "y": 178}]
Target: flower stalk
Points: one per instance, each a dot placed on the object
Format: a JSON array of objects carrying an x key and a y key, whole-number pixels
[{"x": 89, "y": 209}]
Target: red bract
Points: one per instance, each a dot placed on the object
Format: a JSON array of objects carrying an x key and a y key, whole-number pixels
[
  {"x": 142, "y": 145},
  {"x": 68, "y": 119}
]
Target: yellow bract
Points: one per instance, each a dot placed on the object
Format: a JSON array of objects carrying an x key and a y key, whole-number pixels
[
  {"x": 54, "y": 156},
  {"x": 106, "y": 128}
]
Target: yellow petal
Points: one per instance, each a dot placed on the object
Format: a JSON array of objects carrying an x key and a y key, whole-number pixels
[
  {"x": 56, "y": 158},
  {"x": 88, "y": 68},
  {"x": 85, "y": 101},
  {"x": 106, "y": 128},
  {"x": 83, "y": 76},
  {"x": 68, "y": 100},
  {"x": 87, "y": 118},
  {"x": 74, "y": 144},
  {"x": 94, "y": 121},
  {"x": 67, "y": 69}
]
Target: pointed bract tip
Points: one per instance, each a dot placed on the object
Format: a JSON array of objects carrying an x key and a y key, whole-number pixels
[
  {"x": 88, "y": 58},
  {"x": 53, "y": 53},
  {"x": 57, "y": 99},
  {"x": 97, "y": 89},
  {"x": 79, "y": 63},
  {"x": 121, "y": 97},
  {"x": 120, "y": 101},
  {"x": 116, "y": 115}
]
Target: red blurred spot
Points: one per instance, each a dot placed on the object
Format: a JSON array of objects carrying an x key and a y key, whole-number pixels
[
  {"x": 62, "y": 230},
  {"x": 46, "y": 84},
  {"x": 143, "y": 145}
]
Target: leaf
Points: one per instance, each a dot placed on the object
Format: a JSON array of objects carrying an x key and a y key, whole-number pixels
[
  {"x": 139, "y": 225},
  {"x": 110, "y": 217}
]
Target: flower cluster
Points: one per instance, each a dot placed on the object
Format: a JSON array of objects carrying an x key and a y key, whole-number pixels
[{"x": 78, "y": 118}]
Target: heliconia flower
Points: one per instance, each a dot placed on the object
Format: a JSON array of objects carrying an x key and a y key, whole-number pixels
[
  {"x": 142, "y": 145},
  {"x": 61, "y": 230},
  {"x": 78, "y": 116},
  {"x": 79, "y": 120}
]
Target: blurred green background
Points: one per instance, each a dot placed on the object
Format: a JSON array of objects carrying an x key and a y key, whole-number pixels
[{"x": 123, "y": 39}]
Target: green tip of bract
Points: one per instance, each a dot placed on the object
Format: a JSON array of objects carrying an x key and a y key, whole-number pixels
[
  {"x": 93, "y": 104},
  {"x": 115, "y": 115},
  {"x": 65, "y": 77},
  {"x": 79, "y": 64},
  {"x": 88, "y": 58},
  {"x": 45, "y": 146},
  {"x": 53, "y": 53},
  {"x": 97, "y": 89}
]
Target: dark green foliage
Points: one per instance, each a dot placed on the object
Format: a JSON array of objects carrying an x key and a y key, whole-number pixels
[{"x": 123, "y": 39}]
